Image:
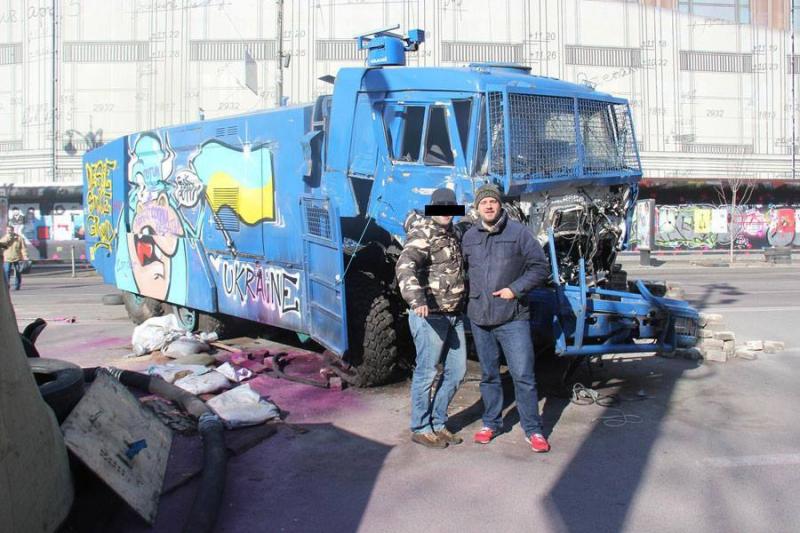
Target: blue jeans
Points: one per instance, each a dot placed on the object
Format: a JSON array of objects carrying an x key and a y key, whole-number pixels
[
  {"x": 515, "y": 339},
  {"x": 17, "y": 268},
  {"x": 437, "y": 338}
]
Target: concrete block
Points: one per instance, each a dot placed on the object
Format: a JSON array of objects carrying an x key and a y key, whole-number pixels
[
  {"x": 729, "y": 347},
  {"x": 705, "y": 333},
  {"x": 710, "y": 318},
  {"x": 711, "y": 344},
  {"x": 718, "y": 356},
  {"x": 717, "y": 326},
  {"x": 676, "y": 293},
  {"x": 754, "y": 345},
  {"x": 773, "y": 346},
  {"x": 744, "y": 353},
  {"x": 725, "y": 335}
]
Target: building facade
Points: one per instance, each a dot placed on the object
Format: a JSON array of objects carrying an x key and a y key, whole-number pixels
[{"x": 710, "y": 81}]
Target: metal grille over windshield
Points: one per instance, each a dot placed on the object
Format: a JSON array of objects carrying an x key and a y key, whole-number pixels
[
  {"x": 607, "y": 137},
  {"x": 542, "y": 135},
  {"x": 543, "y": 141}
]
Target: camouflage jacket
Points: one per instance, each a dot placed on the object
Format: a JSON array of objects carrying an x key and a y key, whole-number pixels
[{"x": 430, "y": 270}]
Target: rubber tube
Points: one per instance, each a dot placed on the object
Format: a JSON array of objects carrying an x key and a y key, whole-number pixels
[{"x": 207, "y": 500}]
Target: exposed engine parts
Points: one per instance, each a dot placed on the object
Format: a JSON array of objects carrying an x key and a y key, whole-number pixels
[{"x": 587, "y": 223}]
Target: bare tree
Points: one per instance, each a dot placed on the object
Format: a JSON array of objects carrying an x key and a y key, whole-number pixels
[{"x": 734, "y": 192}]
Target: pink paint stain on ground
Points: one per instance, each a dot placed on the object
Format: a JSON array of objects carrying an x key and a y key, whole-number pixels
[
  {"x": 304, "y": 403},
  {"x": 79, "y": 350}
]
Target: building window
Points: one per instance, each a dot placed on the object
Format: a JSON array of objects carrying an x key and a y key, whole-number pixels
[
  {"x": 796, "y": 11},
  {"x": 736, "y": 11}
]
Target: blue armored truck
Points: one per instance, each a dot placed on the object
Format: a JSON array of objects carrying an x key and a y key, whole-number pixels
[{"x": 292, "y": 217}]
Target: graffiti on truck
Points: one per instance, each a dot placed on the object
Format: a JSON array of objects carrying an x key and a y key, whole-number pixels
[
  {"x": 707, "y": 227},
  {"x": 177, "y": 198},
  {"x": 271, "y": 287},
  {"x": 98, "y": 200}
]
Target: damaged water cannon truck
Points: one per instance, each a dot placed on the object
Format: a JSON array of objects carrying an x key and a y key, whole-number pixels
[{"x": 293, "y": 217}]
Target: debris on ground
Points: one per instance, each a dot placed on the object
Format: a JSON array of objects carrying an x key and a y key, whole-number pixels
[
  {"x": 171, "y": 372},
  {"x": 204, "y": 383},
  {"x": 243, "y": 406},
  {"x": 123, "y": 443},
  {"x": 158, "y": 332}
]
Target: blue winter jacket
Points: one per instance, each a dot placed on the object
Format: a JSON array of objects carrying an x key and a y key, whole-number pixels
[{"x": 508, "y": 256}]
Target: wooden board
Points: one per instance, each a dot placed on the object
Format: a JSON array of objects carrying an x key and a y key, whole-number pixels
[{"x": 100, "y": 432}]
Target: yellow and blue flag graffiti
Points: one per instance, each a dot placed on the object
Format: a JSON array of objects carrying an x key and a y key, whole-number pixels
[{"x": 241, "y": 180}]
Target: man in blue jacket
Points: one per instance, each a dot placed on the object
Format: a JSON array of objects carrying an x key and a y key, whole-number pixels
[{"x": 504, "y": 263}]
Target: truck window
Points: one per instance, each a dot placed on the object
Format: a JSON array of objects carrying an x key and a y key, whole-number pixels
[
  {"x": 438, "y": 151},
  {"x": 482, "y": 153},
  {"x": 413, "y": 119},
  {"x": 463, "y": 109}
]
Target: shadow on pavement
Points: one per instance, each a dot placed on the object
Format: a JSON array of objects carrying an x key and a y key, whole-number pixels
[
  {"x": 597, "y": 487},
  {"x": 314, "y": 477}
]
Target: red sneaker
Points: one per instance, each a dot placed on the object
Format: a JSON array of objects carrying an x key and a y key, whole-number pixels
[
  {"x": 538, "y": 443},
  {"x": 484, "y": 436}
]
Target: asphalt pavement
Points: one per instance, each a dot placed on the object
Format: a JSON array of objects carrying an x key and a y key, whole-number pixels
[{"x": 692, "y": 446}]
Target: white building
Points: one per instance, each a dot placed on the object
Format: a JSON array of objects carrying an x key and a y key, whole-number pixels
[{"x": 710, "y": 82}]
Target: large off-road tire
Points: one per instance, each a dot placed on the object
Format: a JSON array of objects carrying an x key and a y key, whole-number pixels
[
  {"x": 375, "y": 329},
  {"x": 60, "y": 384},
  {"x": 140, "y": 308}
]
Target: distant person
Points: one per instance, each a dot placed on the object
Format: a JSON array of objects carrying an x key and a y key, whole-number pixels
[
  {"x": 14, "y": 253},
  {"x": 504, "y": 263},
  {"x": 430, "y": 272}
]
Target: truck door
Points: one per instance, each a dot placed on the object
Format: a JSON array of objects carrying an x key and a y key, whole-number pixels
[
  {"x": 423, "y": 151},
  {"x": 324, "y": 272}
]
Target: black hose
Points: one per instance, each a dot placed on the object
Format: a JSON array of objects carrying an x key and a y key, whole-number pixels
[
  {"x": 207, "y": 501},
  {"x": 277, "y": 367}
]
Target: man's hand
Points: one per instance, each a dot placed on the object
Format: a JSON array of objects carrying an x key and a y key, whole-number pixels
[
  {"x": 421, "y": 311},
  {"x": 505, "y": 294}
]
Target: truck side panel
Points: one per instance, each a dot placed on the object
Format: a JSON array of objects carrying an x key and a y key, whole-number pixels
[
  {"x": 208, "y": 216},
  {"x": 104, "y": 200}
]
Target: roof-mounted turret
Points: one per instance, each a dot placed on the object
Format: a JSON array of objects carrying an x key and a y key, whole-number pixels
[{"x": 389, "y": 49}]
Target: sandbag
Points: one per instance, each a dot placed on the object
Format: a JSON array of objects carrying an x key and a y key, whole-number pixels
[{"x": 242, "y": 406}]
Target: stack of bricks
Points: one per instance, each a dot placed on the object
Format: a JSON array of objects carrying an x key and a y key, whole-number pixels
[
  {"x": 716, "y": 343},
  {"x": 751, "y": 349}
]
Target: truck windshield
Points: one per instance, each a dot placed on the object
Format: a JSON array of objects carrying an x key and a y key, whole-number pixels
[{"x": 544, "y": 142}]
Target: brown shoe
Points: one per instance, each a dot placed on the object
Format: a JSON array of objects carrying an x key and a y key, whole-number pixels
[
  {"x": 449, "y": 437},
  {"x": 429, "y": 440}
]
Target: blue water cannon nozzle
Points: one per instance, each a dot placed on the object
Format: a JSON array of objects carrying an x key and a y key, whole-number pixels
[{"x": 385, "y": 48}]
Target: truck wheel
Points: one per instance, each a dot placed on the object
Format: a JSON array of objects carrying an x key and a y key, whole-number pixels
[
  {"x": 140, "y": 308},
  {"x": 60, "y": 384},
  {"x": 373, "y": 330},
  {"x": 224, "y": 326}
]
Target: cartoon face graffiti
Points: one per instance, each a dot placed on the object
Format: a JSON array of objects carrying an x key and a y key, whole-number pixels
[{"x": 152, "y": 244}]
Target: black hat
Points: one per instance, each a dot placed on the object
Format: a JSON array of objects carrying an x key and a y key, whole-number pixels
[{"x": 443, "y": 196}]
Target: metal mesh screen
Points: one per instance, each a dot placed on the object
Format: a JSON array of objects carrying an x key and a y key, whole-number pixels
[
  {"x": 497, "y": 133},
  {"x": 319, "y": 223},
  {"x": 542, "y": 135},
  {"x": 607, "y": 137},
  {"x": 625, "y": 140}
]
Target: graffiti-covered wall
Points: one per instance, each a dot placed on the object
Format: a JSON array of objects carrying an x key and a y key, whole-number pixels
[
  {"x": 51, "y": 230},
  {"x": 706, "y": 227}
]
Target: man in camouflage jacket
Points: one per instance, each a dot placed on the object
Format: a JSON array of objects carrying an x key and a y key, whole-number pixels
[{"x": 430, "y": 272}]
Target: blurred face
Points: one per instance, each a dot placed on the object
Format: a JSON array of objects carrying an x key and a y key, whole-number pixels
[
  {"x": 489, "y": 210},
  {"x": 442, "y": 221},
  {"x": 11, "y": 230}
]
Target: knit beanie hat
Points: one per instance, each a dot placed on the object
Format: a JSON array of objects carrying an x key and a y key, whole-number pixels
[
  {"x": 443, "y": 196},
  {"x": 487, "y": 191}
]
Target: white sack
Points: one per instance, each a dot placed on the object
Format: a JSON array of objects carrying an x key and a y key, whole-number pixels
[{"x": 242, "y": 406}]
